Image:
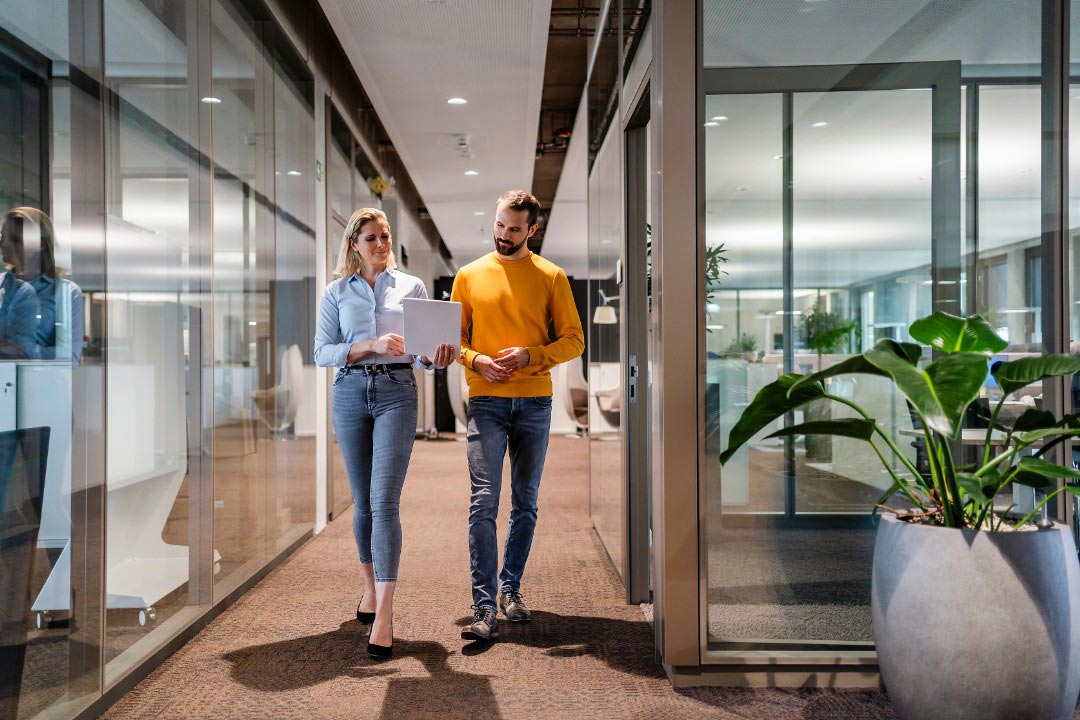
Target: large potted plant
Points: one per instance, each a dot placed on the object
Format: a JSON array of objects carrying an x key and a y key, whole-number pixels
[
  {"x": 975, "y": 614},
  {"x": 824, "y": 332}
]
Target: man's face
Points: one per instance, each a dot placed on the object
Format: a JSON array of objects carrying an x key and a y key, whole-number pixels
[{"x": 512, "y": 230}]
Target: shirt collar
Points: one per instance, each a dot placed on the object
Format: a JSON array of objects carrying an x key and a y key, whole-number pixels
[{"x": 389, "y": 273}]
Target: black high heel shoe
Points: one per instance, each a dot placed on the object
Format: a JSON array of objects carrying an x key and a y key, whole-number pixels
[
  {"x": 381, "y": 652},
  {"x": 365, "y": 617}
]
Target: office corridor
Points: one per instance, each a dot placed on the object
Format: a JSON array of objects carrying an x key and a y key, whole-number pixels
[{"x": 291, "y": 646}]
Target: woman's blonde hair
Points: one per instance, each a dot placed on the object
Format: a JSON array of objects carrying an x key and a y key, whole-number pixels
[
  {"x": 13, "y": 229},
  {"x": 348, "y": 260}
]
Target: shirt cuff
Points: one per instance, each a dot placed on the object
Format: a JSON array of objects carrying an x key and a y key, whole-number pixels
[
  {"x": 536, "y": 355},
  {"x": 468, "y": 357}
]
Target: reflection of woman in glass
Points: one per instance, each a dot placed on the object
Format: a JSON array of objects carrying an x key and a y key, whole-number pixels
[
  {"x": 29, "y": 246},
  {"x": 18, "y": 308},
  {"x": 375, "y": 402}
]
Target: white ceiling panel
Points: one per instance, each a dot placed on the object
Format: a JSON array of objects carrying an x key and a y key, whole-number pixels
[{"x": 412, "y": 56}]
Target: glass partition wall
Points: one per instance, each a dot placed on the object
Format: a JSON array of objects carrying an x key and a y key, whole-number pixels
[
  {"x": 156, "y": 309},
  {"x": 863, "y": 165},
  {"x": 348, "y": 170}
]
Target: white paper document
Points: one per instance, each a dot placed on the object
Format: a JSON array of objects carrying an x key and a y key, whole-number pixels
[{"x": 430, "y": 323}]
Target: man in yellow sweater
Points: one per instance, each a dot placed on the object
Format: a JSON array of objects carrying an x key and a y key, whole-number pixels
[{"x": 509, "y": 298}]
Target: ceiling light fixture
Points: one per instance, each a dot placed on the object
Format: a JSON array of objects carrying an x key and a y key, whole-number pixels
[
  {"x": 479, "y": 213},
  {"x": 209, "y": 100},
  {"x": 712, "y": 124},
  {"x": 471, "y": 173},
  {"x": 294, "y": 173},
  {"x": 777, "y": 157},
  {"x": 457, "y": 101},
  {"x": 720, "y": 118},
  {"x": 820, "y": 124}
]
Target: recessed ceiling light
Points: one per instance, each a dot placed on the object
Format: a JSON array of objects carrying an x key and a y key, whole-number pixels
[
  {"x": 479, "y": 213},
  {"x": 470, "y": 173},
  {"x": 251, "y": 322},
  {"x": 820, "y": 124},
  {"x": 777, "y": 157},
  {"x": 294, "y": 173},
  {"x": 457, "y": 101},
  {"x": 712, "y": 124},
  {"x": 720, "y": 118},
  {"x": 211, "y": 100}
]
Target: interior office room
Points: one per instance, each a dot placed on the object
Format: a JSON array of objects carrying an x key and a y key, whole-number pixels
[{"x": 735, "y": 191}]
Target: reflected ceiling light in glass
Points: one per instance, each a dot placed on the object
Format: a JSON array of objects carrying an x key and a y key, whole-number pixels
[
  {"x": 251, "y": 322},
  {"x": 210, "y": 100},
  {"x": 712, "y": 124},
  {"x": 294, "y": 173},
  {"x": 820, "y": 124},
  {"x": 457, "y": 101},
  {"x": 777, "y": 157},
  {"x": 471, "y": 173},
  {"x": 720, "y": 118},
  {"x": 712, "y": 307},
  {"x": 714, "y": 327}
]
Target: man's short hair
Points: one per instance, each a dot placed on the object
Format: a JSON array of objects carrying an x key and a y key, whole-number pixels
[{"x": 521, "y": 200}]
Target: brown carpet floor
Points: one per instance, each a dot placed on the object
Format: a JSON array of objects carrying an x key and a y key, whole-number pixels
[{"x": 291, "y": 647}]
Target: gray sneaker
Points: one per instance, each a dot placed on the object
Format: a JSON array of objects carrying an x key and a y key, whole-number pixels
[
  {"x": 485, "y": 625},
  {"x": 513, "y": 607}
]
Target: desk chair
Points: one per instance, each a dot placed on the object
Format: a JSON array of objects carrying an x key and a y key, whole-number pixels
[
  {"x": 576, "y": 395},
  {"x": 278, "y": 405},
  {"x": 23, "y": 456}
]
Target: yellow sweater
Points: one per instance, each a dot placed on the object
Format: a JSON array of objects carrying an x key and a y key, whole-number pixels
[{"x": 510, "y": 303}]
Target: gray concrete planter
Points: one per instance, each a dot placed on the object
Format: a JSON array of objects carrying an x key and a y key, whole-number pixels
[{"x": 977, "y": 625}]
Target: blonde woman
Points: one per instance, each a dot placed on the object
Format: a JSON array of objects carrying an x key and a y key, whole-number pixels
[{"x": 360, "y": 331}]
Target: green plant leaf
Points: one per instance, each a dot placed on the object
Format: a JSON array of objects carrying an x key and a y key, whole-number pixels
[
  {"x": 1015, "y": 374},
  {"x": 1032, "y": 436},
  {"x": 952, "y": 334},
  {"x": 980, "y": 489},
  {"x": 857, "y": 428},
  {"x": 1034, "y": 419},
  {"x": 858, "y": 364},
  {"x": 942, "y": 390},
  {"x": 771, "y": 402},
  {"x": 1030, "y": 463}
]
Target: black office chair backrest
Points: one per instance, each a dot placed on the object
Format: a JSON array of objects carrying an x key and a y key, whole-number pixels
[{"x": 23, "y": 455}]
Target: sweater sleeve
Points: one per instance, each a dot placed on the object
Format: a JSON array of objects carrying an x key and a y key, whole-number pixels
[
  {"x": 461, "y": 295},
  {"x": 569, "y": 338}
]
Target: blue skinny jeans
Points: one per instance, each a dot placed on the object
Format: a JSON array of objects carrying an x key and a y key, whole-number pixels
[{"x": 375, "y": 422}]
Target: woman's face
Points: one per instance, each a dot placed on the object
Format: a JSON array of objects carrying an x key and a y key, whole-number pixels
[{"x": 373, "y": 243}]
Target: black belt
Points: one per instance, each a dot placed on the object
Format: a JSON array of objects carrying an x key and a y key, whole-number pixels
[{"x": 372, "y": 369}]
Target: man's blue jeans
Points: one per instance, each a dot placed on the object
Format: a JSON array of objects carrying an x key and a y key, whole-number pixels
[{"x": 523, "y": 424}]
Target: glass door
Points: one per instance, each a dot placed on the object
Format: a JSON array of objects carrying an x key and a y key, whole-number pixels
[{"x": 832, "y": 221}]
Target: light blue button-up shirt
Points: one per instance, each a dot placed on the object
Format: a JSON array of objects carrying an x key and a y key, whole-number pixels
[{"x": 351, "y": 311}]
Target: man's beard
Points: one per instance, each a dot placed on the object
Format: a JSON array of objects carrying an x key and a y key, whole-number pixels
[{"x": 504, "y": 250}]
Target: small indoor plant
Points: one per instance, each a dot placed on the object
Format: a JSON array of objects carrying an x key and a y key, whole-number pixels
[
  {"x": 824, "y": 333},
  {"x": 970, "y": 619}
]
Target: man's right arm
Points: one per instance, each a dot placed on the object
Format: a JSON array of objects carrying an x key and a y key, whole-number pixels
[{"x": 459, "y": 294}]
